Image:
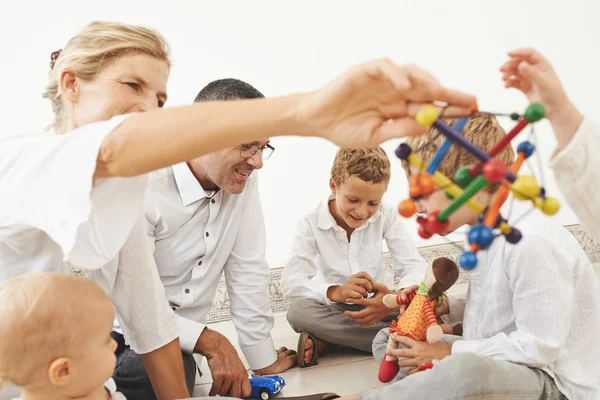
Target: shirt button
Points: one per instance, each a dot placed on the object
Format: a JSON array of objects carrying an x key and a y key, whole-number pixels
[
  {"x": 173, "y": 308},
  {"x": 199, "y": 262},
  {"x": 187, "y": 290},
  {"x": 207, "y": 234},
  {"x": 213, "y": 201}
]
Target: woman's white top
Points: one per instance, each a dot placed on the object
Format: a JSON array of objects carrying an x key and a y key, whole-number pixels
[{"x": 54, "y": 217}]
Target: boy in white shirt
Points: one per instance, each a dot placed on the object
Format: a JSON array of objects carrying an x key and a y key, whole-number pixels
[
  {"x": 529, "y": 318},
  {"x": 337, "y": 261}
]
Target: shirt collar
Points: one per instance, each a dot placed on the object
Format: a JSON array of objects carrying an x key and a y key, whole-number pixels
[
  {"x": 190, "y": 189},
  {"x": 326, "y": 220}
]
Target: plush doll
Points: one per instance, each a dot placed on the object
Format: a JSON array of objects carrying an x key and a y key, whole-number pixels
[{"x": 418, "y": 322}]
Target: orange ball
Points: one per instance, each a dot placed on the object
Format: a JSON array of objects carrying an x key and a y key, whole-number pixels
[
  {"x": 421, "y": 184},
  {"x": 407, "y": 208}
]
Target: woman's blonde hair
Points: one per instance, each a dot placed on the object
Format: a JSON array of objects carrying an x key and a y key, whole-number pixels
[{"x": 95, "y": 47}]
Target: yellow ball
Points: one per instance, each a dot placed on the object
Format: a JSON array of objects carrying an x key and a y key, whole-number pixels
[
  {"x": 427, "y": 115},
  {"x": 551, "y": 206},
  {"x": 525, "y": 187}
]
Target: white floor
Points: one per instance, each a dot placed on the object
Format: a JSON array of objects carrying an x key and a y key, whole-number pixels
[{"x": 340, "y": 372}]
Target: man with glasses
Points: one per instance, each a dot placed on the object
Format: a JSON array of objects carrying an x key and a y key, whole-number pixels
[{"x": 205, "y": 219}]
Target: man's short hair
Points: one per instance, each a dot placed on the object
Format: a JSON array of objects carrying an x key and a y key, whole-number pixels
[{"x": 227, "y": 89}]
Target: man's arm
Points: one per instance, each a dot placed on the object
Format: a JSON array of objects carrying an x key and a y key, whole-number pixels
[
  {"x": 230, "y": 377},
  {"x": 247, "y": 276}
]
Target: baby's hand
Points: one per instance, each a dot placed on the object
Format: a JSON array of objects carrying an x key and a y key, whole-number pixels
[{"x": 359, "y": 285}]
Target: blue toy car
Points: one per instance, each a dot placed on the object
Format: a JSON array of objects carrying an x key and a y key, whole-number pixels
[{"x": 265, "y": 387}]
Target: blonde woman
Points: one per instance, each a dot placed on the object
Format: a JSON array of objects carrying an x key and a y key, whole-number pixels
[{"x": 72, "y": 201}]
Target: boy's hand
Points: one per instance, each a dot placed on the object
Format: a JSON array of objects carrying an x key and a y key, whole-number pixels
[
  {"x": 374, "y": 308},
  {"x": 359, "y": 285},
  {"x": 528, "y": 71}
]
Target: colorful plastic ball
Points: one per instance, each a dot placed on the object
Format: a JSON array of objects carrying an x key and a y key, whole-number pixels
[
  {"x": 403, "y": 151},
  {"x": 407, "y": 208},
  {"x": 428, "y": 115},
  {"x": 527, "y": 148},
  {"x": 514, "y": 236},
  {"x": 421, "y": 185},
  {"x": 538, "y": 202},
  {"x": 534, "y": 112},
  {"x": 481, "y": 235},
  {"x": 525, "y": 187},
  {"x": 494, "y": 170},
  {"x": 434, "y": 225},
  {"x": 468, "y": 260},
  {"x": 421, "y": 220},
  {"x": 550, "y": 206},
  {"x": 423, "y": 233},
  {"x": 462, "y": 177},
  {"x": 515, "y": 116}
]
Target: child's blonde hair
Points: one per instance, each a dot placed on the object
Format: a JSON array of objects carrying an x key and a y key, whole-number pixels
[
  {"x": 370, "y": 165},
  {"x": 38, "y": 313},
  {"x": 95, "y": 47},
  {"x": 482, "y": 129}
]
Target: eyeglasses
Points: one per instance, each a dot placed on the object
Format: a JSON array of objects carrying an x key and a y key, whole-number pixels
[{"x": 250, "y": 150}]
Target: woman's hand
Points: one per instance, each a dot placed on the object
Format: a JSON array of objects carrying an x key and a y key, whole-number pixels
[{"x": 374, "y": 102}]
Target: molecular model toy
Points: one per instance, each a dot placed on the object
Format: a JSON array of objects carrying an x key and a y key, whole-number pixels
[{"x": 468, "y": 181}]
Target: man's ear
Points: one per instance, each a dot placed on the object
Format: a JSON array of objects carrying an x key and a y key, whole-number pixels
[
  {"x": 60, "y": 372},
  {"x": 69, "y": 86}
]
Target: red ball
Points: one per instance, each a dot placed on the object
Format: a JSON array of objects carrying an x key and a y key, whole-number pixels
[
  {"x": 421, "y": 220},
  {"x": 494, "y": 170},
  {"x": 423, "y": 233},
  {"x": 434, "y": 226}
]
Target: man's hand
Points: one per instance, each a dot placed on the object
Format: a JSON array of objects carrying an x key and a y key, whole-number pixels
[
  {"x": 374, "y": 308},
  {"x": 359, "y": 285},
  {"x": 230, "y": 377},
  {"x": 286, "y": 359},
  {"x": 419, "y": 353}
]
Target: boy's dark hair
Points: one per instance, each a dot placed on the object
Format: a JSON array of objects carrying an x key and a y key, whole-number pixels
[{"x": 227, "y": 89}]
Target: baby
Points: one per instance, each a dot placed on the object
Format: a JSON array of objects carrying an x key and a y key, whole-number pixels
[{"x": 55, "y": 340}]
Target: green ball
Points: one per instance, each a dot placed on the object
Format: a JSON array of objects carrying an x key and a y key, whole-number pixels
[
  {"x": 448, "y": 195},
  {"x": 534, "y": 112},
  {"x": 462, "y": 177}
]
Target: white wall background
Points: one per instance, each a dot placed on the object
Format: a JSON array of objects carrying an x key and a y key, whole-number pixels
[{"x": 283, "y": 47}]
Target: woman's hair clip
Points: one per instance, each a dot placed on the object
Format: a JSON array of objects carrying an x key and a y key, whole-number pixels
[{"x": 53, "y": 57}]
